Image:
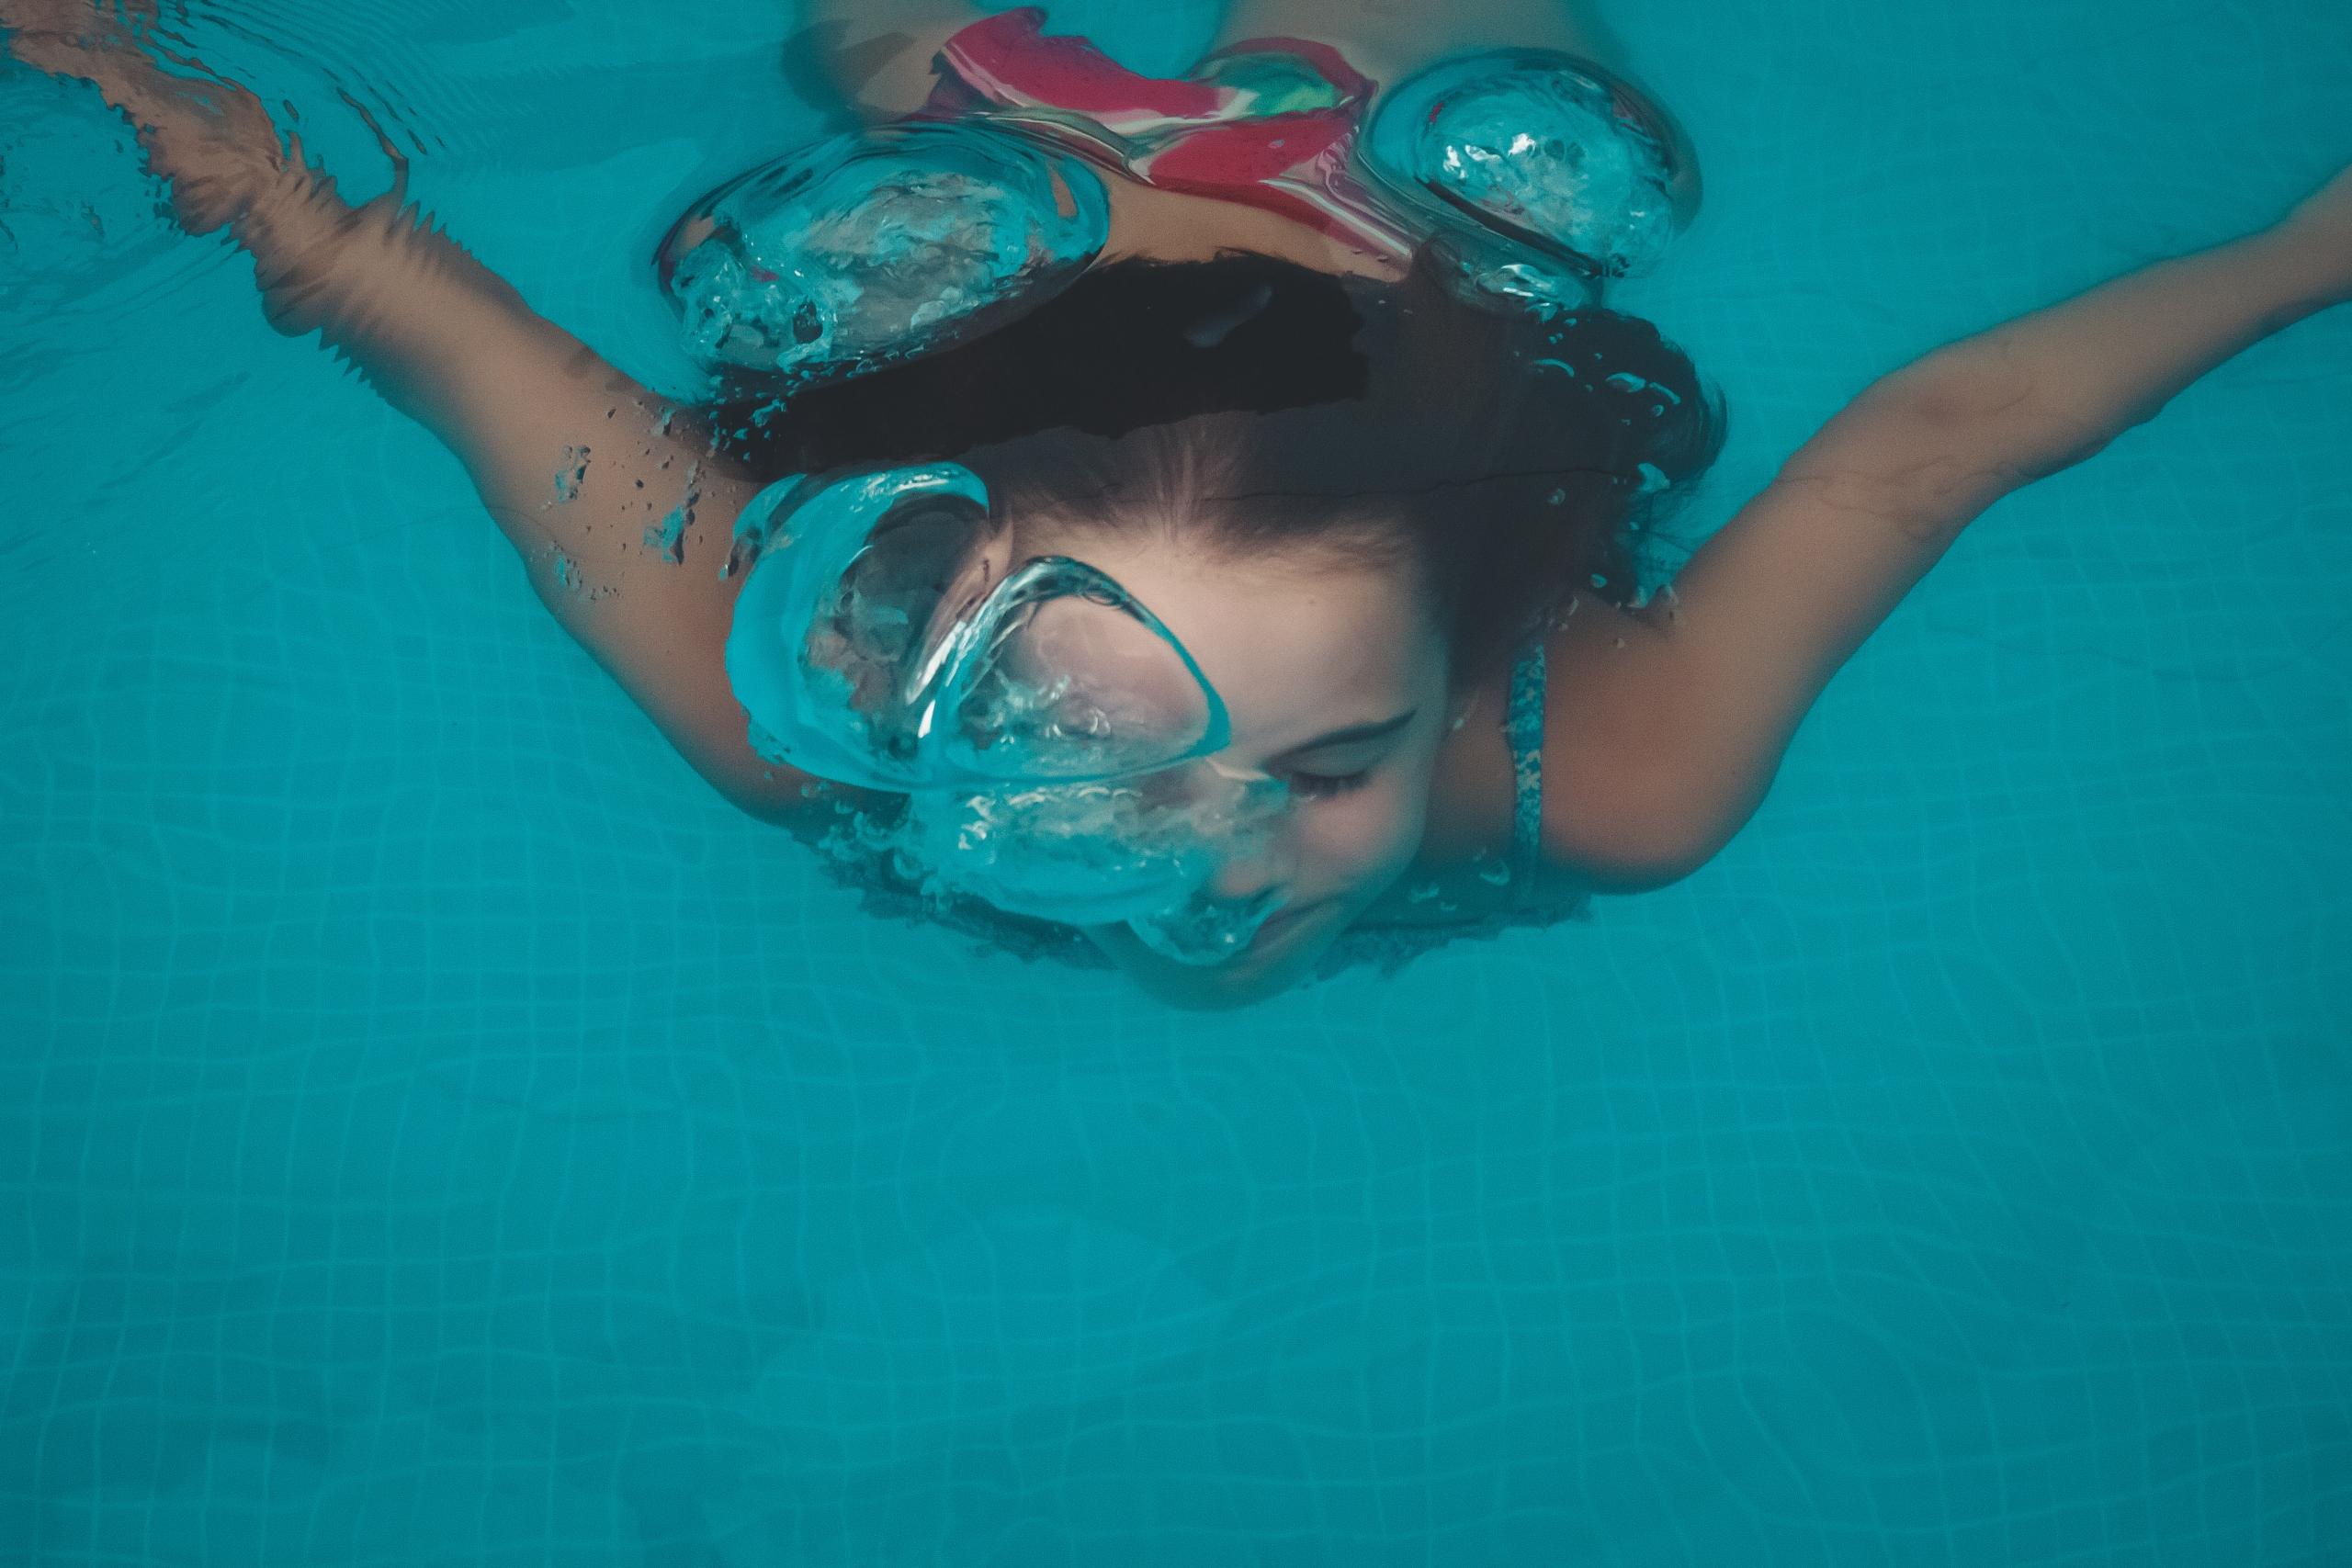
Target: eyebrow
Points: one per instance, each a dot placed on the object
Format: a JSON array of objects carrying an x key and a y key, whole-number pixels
[{"x": 1356, "y": 732}]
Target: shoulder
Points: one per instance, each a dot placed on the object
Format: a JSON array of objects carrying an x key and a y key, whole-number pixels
[
  {"x": 1604, "y": 826},
  {"x": 1631, "y": 800},
  {"x": 1635, "y": 796}
]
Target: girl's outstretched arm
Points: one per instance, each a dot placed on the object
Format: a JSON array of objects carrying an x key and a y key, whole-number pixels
[
  {"x": 614, "y": 499},
  {"x": 1685, "y": 708}
]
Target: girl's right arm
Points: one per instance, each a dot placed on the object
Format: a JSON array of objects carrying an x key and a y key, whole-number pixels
[{"x": 614, "y": 499}]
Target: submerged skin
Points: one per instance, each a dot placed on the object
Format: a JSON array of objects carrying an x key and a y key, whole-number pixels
[
  {"x": 875, "y": 58},
  {"x": 1663, "y": 727}
]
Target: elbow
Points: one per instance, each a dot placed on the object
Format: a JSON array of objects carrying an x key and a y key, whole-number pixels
[
  {"x": 1632, "y": 866},
  {"x": 1977, "y": 424},
  {"x": 1648, "y": 841}
]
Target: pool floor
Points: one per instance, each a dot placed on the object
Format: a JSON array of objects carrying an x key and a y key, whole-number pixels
[{"x": 436, "y": 1129}]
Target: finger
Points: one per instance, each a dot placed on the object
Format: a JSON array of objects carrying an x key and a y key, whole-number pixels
[{"x": 398, "y": 196}]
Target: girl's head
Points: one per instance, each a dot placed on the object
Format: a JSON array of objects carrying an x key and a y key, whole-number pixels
[{"x": 1348, "y": 499}]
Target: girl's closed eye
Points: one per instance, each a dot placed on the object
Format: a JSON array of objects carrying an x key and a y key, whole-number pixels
[{"x": 1322, "y": 786}]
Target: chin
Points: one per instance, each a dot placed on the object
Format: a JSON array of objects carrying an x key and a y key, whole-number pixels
[{"x": 1240, "y": 982}]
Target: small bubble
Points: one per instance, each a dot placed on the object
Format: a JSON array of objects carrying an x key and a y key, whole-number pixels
[
  {"x": 669, "y": 538},
  {"x": 569, "y": 479}
]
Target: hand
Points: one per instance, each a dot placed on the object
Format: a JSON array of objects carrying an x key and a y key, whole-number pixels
[
  {"x": 55, "y": 36},
  {"x": 210, "y": 139}
]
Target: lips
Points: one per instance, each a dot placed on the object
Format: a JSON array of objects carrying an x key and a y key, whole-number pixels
[{"x": 1284, "y": 920}]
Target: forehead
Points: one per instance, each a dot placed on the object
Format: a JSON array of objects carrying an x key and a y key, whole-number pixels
[{"x": 1295, "y": 644}]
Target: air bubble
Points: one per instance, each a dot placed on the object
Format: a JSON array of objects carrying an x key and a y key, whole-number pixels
[
  {"x": 669, "y": 538},
  {"x": 574, "y": 472}
]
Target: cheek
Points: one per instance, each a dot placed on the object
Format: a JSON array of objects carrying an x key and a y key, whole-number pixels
[{"x": 1372, "y": 832}]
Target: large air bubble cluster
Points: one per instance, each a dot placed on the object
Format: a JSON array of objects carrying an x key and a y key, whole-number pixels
[
  {"x": 878, "y": 245},
  {"x": 1524, "y": 143}
]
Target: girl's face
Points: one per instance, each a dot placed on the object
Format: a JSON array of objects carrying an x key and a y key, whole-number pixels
[{"x": 1336, "y": 682}]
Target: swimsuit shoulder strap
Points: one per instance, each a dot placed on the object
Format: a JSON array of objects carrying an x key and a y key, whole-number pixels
[{"x": 1523, "y": 727}]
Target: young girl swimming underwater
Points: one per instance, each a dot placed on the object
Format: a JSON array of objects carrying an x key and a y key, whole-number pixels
[{"x": 1192, "y": 520}]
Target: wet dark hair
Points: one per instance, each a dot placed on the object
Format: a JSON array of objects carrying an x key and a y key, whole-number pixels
[{"x": 1285, "y": 410}]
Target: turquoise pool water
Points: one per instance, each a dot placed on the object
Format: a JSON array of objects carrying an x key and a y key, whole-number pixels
[{"x": 436, "y": 1129}]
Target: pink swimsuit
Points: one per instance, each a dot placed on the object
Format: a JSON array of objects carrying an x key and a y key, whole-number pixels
[
  {"x": 1543, "y": 175},
  {"x": 1268, "y": 123}
]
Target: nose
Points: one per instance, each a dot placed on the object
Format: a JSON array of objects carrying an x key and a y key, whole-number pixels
[
  {"x": 1254, "y": 847},
  {"x": 1238, "y": 881},
  {"x": 1254, "y": 861}
]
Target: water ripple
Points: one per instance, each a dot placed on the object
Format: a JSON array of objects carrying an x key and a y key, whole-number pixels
[{"x": 79, "y": 221}]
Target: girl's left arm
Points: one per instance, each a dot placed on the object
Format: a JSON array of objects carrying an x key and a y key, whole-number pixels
[
  {"x": 1683, "y": 710},
  {"x": 614, "y": 500}
]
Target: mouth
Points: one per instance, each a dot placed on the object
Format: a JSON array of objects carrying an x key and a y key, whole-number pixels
[{"x": 1285, "y": 921}]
